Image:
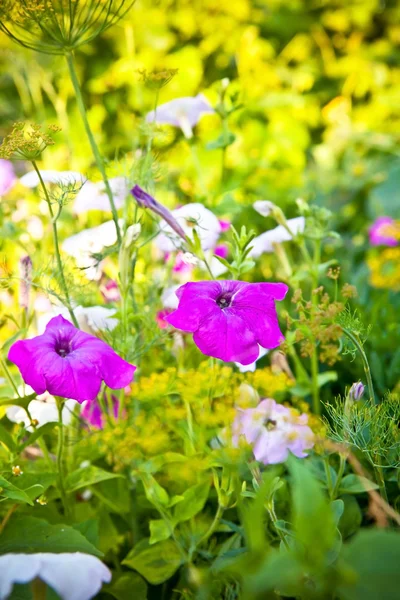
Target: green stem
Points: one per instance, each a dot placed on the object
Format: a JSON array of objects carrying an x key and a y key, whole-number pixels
[
  {"x": 355, "y": 340},
  {"x": 97, "y": 156},
  {"x": 57, "y": 247},
  {"x": 380, "y": 477},
  {"x": 213, "y": 526},
  {"x": 340, "y": 474},
  {"x": 60, "y": 451},
  {"x": 9, "y": 377},
  {"x": 274, "y": 519},
  {"x": 314, "y": 355},
  {"x": 39, "y": 589},
  {"x": 328, "y": 476}
]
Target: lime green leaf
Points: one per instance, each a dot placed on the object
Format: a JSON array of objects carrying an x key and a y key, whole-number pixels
[
  {"x": 86, "y": 476},
  {"x": 23, "y": 401},
  {"x": 355, "y": 484},
  {"x": 159, "y": 531},
  {"x": 154, "y": 492},
  {"x": 44, "y": 429},
  {"x": 29, "y": 534},
  {"x": 156, "y": 563},
  {"x": 129, "y": 586},
  {"x": 194, "y": 499}
]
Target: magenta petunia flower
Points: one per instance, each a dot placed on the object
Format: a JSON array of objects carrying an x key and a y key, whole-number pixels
[
  {"x": 230, "y": 319},
  {"x": 384, "y": 232},
  {"x": 273, "y": 431},
  {"x": 93, "y": 414},
  {"x": 69, "y": 363}
]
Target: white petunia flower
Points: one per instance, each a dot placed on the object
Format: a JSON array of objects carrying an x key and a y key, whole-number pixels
[
  {"x": 189, "y": 217},
  {"x": 43, "y": 410},
  {"x": 72, "y": 575},
  {"x": 182, "y": 112},
  {"x": 265, "y": 242},
  {"x": 264, "y": 207},
  {"x": 82, "y": 245},
  {"x": 92, "y": 196},
  {"x": 31, "y": 179},
  {"x": 90, "y": 318}
]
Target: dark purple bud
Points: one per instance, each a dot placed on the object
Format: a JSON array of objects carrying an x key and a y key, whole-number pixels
[
  {"x": 356, "y": 391},
  {"x": 146, "y": 201}
]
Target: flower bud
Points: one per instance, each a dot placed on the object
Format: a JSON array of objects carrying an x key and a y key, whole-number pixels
[
  {"x": 131, "y": 235},
  {"x": 264, "y": 207},
  {"x": 356, "y": 391},
  {"x": 26, "y": 278}
]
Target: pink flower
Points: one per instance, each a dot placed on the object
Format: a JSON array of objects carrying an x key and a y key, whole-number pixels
[
  {"x": 225, "y": 225},
  {"x": 161, "y": 318},
  {"x": 230, "y": 319},
  {"x": 93, "y": 414},
  {"x": 384, "y": 232},
  {"x": 110, "y": 291},
  {"x": 69, "y": 363},
  {"x": 273, "y": 431},
  {"x": 221, "y": 250},
  {"x": 7, "y": 176}
]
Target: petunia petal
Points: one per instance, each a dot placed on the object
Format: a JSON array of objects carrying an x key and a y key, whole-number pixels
[
  {"x": 226, "y": 336},
  {"x": 16, "y": 568},
  {"x": 197, "y": 300}
]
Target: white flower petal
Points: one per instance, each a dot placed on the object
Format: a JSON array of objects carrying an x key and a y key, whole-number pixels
[
  {"x": 264, "y": 243},
  {"x": 263, "y": 207},
  {"x": 31, "y": 179},
  {"x": 73, "y": 576},
  {"x": 92, "y": 196},
  {"x": 190, "y": 216},
  {"x": 187, "y": 109},
  {"x": 17, "y": 568}
]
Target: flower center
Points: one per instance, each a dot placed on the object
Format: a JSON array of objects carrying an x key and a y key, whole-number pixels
[
  {"x": 270, "y": 425},
  {"x": 224, "y": 300},
  {"x": 63, "y": 348}
]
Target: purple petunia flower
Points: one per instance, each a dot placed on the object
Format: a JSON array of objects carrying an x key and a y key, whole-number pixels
[
  {"x": 382, "y": 232},
  {"x": 69, "y": 363},
  {"x": 230, "y": 319},
  {"x": 273, "y": 430}
]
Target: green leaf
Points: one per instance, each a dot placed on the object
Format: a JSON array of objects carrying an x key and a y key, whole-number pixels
[
  {"x": 372, "y": 566},
  {"x": 29, "y": 535},
  {"x": 9, "y": 490},
  {"x": 154, "y": 492},
  {"x": 44, "y": 429},
  {"x": 129, "y": 586},
  {"x": 155, "y": 463},
  {"x": 157, "y": 562},
  {"x": 194, "y": 499},
  {"x": 312, "y": 515},
  {"x": 351, "y": 518},
  {"x": 222, "y": 141},
  {"x": 159, "y": 531},
  {"x": 89, "y": 529},
  {"x": 29, "y": 481},
  {"x": 23, "y": 401},
  {"x": 337, "y": 509},
  {"x": 6, "y": 439},
  {"x": 355, "y": 484},
  {"x": 86, "y": 476},
  {"x": 327, "y": 377}
]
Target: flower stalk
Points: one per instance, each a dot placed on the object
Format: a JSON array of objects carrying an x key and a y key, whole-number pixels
[
  {"x": 96, "y": 153},
  {"x": 56, "y": 246}
]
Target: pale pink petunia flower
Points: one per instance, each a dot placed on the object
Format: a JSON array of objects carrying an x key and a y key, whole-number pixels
[{"x": 273, "y": 431}]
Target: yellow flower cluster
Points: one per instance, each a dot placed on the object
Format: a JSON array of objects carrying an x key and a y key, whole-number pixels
[
  {"x": 385, "y": 269},
  {"x": 182, "y": 412}
]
